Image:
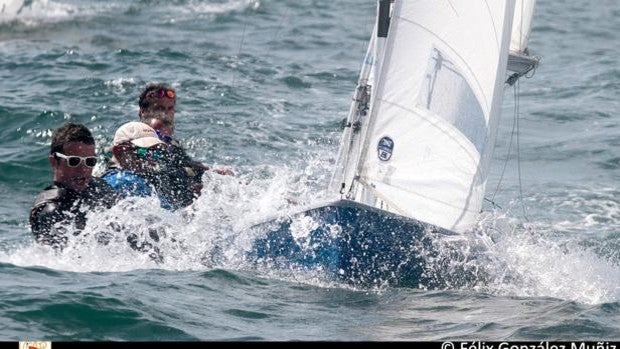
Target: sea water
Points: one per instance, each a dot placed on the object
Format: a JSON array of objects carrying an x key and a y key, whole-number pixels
[{"x": 262, "y": 87}]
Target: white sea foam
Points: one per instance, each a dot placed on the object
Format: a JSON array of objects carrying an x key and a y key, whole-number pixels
[
  {"x": 120, "y": 84},
  {"x": 532, "y": 259},
  {"x": 49, "y": 11},
  {"x": 502, "y": 256},
  {"x": 208, "y": 234},
  {"x": 216, "y": 7}
]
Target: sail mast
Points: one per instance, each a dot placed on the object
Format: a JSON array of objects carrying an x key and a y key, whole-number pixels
[
  {"x": 383, "y": 26},
  {"x": 357, "y": 120}
]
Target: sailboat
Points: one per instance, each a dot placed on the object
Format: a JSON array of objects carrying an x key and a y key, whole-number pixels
[{"x": 417, "y": 143}]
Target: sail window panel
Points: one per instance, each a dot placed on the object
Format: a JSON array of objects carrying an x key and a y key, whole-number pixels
[{"x": 446, "y": 93}]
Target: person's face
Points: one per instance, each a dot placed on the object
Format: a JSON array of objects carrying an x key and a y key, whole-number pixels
[
  {"x": 78, "y": 177},
  {"x": 140, "y": 160},
  {"x": 162, "y": 106},
  {"x": 163, "y": 127}
]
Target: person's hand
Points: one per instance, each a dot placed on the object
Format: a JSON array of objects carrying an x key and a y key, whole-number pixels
[
  {"x": 196, "y": 188},
  {"x": 224, "y": 170},
  {"x": 200, "y": 165}
]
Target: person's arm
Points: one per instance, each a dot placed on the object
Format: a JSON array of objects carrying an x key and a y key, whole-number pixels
[
  {"x": 45, "y": 222},
  {"x": 224, "y": 170},
  {"x": 180, "y": 155}
]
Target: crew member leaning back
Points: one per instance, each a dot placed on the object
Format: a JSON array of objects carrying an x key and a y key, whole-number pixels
[{"x": 62, "y": 206}]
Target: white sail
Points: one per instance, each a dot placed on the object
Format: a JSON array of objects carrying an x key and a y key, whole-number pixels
[
  {"x": 519, "y": 61},
  {"x": 521, "y": 25},
  {"x": 435, "y": 109}
]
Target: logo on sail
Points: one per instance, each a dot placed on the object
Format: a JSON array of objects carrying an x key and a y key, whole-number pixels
[{"x": 385, "y": 148}]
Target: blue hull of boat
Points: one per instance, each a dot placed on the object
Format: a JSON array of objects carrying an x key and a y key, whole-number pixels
[{"x": 353, "y": 243}]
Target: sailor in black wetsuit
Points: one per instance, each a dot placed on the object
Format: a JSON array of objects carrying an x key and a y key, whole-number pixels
[{"x": 75, "y": 192}]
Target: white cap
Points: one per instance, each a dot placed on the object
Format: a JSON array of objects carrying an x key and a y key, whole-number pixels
[{"x": 137, "y": 133}]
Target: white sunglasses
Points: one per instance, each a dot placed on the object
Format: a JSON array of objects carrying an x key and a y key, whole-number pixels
[{"x": 75, "y": 161}]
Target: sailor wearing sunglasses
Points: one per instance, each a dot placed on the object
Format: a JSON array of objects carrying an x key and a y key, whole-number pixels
[
  {"x": 141, "y": 167},
  {"x": 157, "y": 98},
  {"x": 74, "y": 192}
]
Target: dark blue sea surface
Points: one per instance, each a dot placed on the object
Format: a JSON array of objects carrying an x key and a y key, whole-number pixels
[{"x": 262, "y": 87}]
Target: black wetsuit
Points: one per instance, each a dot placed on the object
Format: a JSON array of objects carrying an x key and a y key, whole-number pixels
[
  {"x": 175, "y": 177},
  {"x": 193, "y": 169},
  {"x": 58, "y": 207}
]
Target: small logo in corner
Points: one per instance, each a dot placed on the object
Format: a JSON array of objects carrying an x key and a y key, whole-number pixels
[
  {"x": 35, "y": 345},
  {"x": 385, "y": 148}
]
